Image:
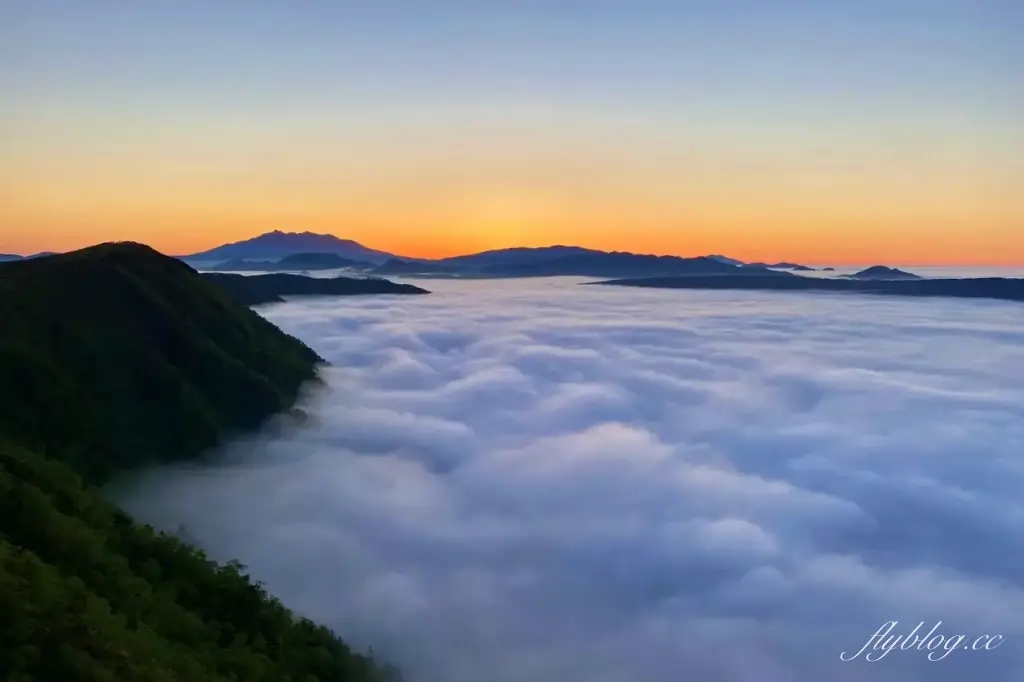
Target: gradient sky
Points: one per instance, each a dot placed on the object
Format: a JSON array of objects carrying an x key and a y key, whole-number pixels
[{"x": 827, "y": 132}]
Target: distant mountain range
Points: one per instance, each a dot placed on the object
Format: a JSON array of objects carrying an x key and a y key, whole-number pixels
[
  {"x": 291, "y": 252},
  {"x": 586, "y": 263},
  {"x": 726, "y": 259},
  {"x": 399, "y": 267},
  {"x": 500, "y": 258},
  {"x": 574, "y": 261},
  {"x": 294, "y": 262},
  {"x": 7, "y": 257},
  {"x": 277, "y": 245},
  {"x": 303, "y": 251},
  {"x": 298, "y": 252}
]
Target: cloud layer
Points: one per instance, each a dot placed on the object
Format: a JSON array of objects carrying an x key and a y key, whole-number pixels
[{"x": 533, "y": 481}]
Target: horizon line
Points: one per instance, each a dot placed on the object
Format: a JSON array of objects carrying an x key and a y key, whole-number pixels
[{"x": 402, "y": 256}]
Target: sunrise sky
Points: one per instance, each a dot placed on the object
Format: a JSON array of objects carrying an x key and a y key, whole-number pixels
[{"x": 825, "y": 132}]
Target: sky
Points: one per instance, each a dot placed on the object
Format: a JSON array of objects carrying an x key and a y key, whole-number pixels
[
  {"x": 561, "y": 483},
  {"x": 824, "y": 132}
]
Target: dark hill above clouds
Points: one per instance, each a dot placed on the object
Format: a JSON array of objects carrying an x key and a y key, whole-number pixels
[
  {"x": 294, "y": 262},
  {"x": 785, "y": 266},
  {"x": 111, "y": 358},
  {"x": 282, "y": 251},
  {"x": 276, "y": 245},
  {"x": 726, "y": 259},
  {"x": 85, "y": 329},
  {"x": 599, "y": 264},
  {"x": 564, "y": 261},
  {"x": 399, "y": 267},
  {"x": 880, "y": 272},
  {"x": 514, "y": 256},
  {"x": 996, "y": 288},
  {"x": 293, "y": 251},
  {"x": 270, "y": 288},
  {"x": 574, "y": 260},
  {"x": 319, "y": 261},
  {"x": 242, "y": 265}
]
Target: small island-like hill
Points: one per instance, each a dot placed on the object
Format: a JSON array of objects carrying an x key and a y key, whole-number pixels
[{"x": 881, "y": 272}]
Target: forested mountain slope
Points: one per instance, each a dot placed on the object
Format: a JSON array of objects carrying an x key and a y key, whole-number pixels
[{"x": 115, "y": 357}]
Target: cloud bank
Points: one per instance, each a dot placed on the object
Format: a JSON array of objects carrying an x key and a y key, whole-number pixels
[{"x": 532, "y": 481}]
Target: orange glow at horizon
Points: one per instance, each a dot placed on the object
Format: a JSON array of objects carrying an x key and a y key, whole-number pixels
[
  {"x": 891, "y": 244},
  {"x": 960, "y": 226},
  {"x": 843, "y": 196}
]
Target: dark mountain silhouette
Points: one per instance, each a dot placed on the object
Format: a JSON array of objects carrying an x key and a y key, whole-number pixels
[
  {"x": 276, "y": 245},
  {"x": 880, "y": 272},
  {"x": 483, "y": 264},
  {"x": 515, "y": 256},
  {"x": 397, "y": 266},
  {"x": 112, "y": 358},
  {"x": 575, "y": 260},
  {"x": 561, "y": 261},
  {"x": 271, "y": 288},
  {"x": 997, "y": 288},
  {"x": 794, "y": 266},
  {"x": 242, "y": 265},
  {"x": 305, "y": 251},
  {"x": 320, "y": 261},
  {"x": 726, "y": 259},
  {"x": 785, "y": 266},
  {"x": 292, "y": 263},
  {"x": 598, "y": 264},
  {"x": 7, "y": 257},
  {"x": 282, "y": 251},
  {"x": 95, "y": 313}
]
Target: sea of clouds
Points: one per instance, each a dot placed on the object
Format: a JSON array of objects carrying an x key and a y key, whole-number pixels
[{"x": 534, "y": 481}]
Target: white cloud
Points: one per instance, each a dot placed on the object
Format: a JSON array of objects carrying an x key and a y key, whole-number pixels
[{"x": 530, "y": 481}]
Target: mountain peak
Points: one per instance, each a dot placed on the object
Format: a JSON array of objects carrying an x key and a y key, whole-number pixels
[
  {"x": 278, "y": 244},
  {"x": 882, "y": 272},
  {"x": 120, "y": 252}
]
